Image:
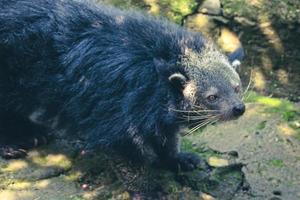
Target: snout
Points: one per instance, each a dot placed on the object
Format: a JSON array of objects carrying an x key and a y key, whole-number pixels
[{"x": 238, "y": 110}]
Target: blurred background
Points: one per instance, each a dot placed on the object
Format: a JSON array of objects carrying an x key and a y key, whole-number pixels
[{"x": 268, "y": 30}]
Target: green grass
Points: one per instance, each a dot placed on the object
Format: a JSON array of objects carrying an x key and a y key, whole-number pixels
[
  {"x": 202, "y": 150},
  {"x": 178, "y": 9},
  {"x": 261, "y": 125},
  {"x": 284, "y": 107},
  {"x": 173, "y": 10},
  {"x": 276, "y": 163}
]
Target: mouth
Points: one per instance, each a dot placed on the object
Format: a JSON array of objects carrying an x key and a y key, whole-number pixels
[{"x": 197, "y": 118}]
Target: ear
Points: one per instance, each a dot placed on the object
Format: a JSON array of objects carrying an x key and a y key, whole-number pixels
[
  {"x": 178, "y": 80},
  {"x": 235, "y": 58}
]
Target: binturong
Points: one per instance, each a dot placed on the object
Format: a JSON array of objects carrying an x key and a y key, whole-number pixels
[{"x": 121, "y": 80}]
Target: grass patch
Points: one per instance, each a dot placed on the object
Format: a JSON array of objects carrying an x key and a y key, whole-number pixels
[
  {"x": 173, "y": 10},
  {"x": 276, "y": 163},
  {"x": 204, "y": 152},
  {"x": 284, "y": 107},
  {"x": 261, "y": 125},
  {"x": 178, "y": 9},
  {"x": 186, "y": 145}
]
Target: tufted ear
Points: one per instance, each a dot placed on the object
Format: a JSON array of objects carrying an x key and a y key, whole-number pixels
[
  {"x": 176, "y": 78},
  {"x": 235, "y": 58}
]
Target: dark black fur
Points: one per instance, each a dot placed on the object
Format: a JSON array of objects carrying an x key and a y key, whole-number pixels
[{"x": 93, "y": 70}]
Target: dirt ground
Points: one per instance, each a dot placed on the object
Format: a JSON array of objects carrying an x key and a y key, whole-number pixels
[
  {"x": 263, "y": 140},
  {"x": 265, "y": 144}
]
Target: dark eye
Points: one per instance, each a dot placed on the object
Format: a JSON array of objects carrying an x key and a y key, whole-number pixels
[
  {"x": 237, "y": 89},
  {"x": 212, "y": 97}
]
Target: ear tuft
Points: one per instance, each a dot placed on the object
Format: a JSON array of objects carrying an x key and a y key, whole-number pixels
[
  {"x": 236, "y": 57},
  {"x": 178, "y": 80},
  {"x": 235, "y": 64}
]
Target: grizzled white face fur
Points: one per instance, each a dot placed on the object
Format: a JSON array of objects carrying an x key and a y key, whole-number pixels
[{"x": 211, "y": 85}]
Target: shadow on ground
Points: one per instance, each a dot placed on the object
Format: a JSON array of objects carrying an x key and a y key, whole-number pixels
[{"x": 58, "y": 171}]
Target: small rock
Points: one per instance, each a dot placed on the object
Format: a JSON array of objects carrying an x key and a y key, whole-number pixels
[
  {"x": 233, "y": 153},
  {"x": 83, "y": 152},
  {"x": 228, "y": 40},
  {"x": 194, "y": 144},
  {"x": 275, "y": 198},
  {"x": 201, "y": 23},
  {"x": 85, "y": 186},
  {"x": 244, "y": 21},
  {"x": 206, "y": 197},
  {"x": 210, "y": 7},
  {"x": 297, "y": 124},
  {"x": 277, "y": 192},
  {"x": 217, "y": 162}
]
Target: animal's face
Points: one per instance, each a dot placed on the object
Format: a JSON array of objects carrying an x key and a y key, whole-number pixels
[
  {"x": 210, "y": 86},
  {"x": 216, "y": 92}
]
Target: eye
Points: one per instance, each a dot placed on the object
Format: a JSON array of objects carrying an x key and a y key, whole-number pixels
[
  {"x": 237, "y": 89},
  {"x": 212, "y": 98}
]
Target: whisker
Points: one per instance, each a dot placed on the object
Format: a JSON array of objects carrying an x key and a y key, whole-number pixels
[
  {"x": 248, "y": 86},
  {"x": 194, "y": 128},
  {"x": 197, "y": 121},
  {"x": 196, "y": 106},
  {"x": 203, "y": 123},
  {"x": 250, "y": 80},
  {"x": 197, "y": 116},
  {"x": 247, "y": 95},
  {"x": 200, "y": 126},
  {"x": 193, "y": 111}
]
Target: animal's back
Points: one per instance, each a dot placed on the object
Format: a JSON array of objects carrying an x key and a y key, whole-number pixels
[{"x": 90, "y": 66}]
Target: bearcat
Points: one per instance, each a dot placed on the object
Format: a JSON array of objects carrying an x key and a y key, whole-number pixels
[{"x": 124, "y": 81}]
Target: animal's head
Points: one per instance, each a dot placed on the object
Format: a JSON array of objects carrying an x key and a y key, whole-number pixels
[{"x": 209, "y": 84}]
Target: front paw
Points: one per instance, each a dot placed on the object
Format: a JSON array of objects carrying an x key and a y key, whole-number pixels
[
  {"x": 12, "y": 152},
  {"x": 189, "y": 162}
]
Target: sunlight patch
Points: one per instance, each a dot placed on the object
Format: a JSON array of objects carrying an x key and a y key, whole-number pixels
[{"x": 15, "y": 165}]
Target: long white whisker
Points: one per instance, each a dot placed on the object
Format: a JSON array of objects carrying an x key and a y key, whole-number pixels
[
  {"x": 197, "y": 116},
  {"x": 193, "y": 111},
  {"x": 203, "y": 123},
  {"x": 195, "y": 128},
  {"x": 248, "y": 86},
  {"x": 200, "y": 126},
  {"x": 246, "y": 96},
  {"x": 192, "y": 122}
]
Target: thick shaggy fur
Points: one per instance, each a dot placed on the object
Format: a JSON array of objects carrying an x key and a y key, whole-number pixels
[{"x": 93, "y": 70}]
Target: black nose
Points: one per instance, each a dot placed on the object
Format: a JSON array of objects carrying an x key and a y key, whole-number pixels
[{"x": 238, "y": 110}]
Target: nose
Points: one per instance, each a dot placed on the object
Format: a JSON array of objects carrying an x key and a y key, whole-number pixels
[{"x": 238, "y": 110}]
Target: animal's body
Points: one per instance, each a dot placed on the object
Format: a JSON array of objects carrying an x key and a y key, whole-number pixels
[{"x": 120, "y": 79}]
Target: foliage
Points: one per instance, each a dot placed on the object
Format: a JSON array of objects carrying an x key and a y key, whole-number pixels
[
  {"x": 276, "y": 163},
  {"x": 284, "y": 10},
  {"x": 275, "y": 105}
]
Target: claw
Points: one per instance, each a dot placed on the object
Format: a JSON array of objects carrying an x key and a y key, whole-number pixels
[{"x": 10, "y": 152}]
